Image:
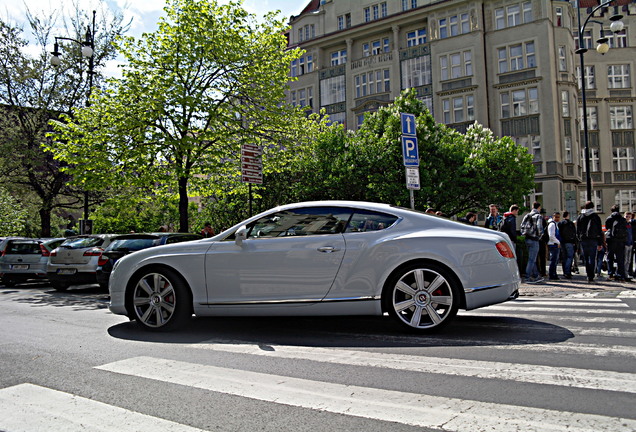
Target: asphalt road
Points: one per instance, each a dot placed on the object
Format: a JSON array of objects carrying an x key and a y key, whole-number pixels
[{"x": 561, "y": 355}]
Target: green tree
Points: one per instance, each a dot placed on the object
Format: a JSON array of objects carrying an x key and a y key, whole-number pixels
[
  {"x": 12, "y": 215},
  {"x": 32, "y": 92},
  {"x": 209, "y": 79}
]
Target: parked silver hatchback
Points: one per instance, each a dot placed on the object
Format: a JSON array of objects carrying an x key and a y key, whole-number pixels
[
  {"x": 25, "y": 259},
  {"x": 74, "y": 262}
]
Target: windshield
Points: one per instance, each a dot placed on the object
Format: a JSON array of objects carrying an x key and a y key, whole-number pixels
[
  {"x": 133, "y": 244},
  {"x": 82, "y": 242}
]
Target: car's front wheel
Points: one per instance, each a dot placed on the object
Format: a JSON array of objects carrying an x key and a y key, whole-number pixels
[
  {"x": 422, "y": 297},
  {"x": 161, "y": 300}
]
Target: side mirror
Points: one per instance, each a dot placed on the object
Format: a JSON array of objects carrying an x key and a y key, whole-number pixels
[{"x": 240, "y": 235}]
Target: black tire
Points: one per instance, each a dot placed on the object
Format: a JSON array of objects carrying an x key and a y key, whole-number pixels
[
  {"x": 423, "y": 297},
  {"x": 8, "y": 283},
  {"x": 59, "y": 286},
  {"x": 160, "y": 300},
  {"x": 104, "y": 286}
]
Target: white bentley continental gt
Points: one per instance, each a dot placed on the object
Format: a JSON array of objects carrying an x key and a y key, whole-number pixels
[{"x": 317, "y": 259}]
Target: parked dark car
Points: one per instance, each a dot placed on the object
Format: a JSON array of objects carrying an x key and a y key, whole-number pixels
[
  {"x": 129, "y": 243},
  {"x": 25, "y": 259}
]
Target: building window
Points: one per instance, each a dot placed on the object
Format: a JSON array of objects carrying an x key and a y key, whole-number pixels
[
  {"x": 618, "y": 76},
  {"x": 302, "y": 66},
  {"x": 532, "y": 143},
  {"x": 409, "y": 4},
  {"x": 513, "y": 15},
  {"x": 516, "y": 57},
  {"x": 375, "y": 12},
  {"x": 338, "y": 118},
  {"x": 559, "y": 16},
  {"x": 458, "y": 109},
  {"x": 590, "y": 80},
  {"x": 568, "y": 149},
  {"x": 565, "y": 103},
  {"x": 597, "y": 199},
  {"x": 305, "y": 97},
  {"x": 376, "y": 47},
  {"x": 454, "y": 25},
  {"x": 619, "y": 39},
  {"x": 592, "y": 117},
  {"x": 332, "y": 90},
  {"x": 456, "y": 65},
  {"x": 563, "y": 62},
  {"x": 621, "y": 117},
  {"x": 372, "y": 82},
  {"x": 344, "y": 21},
  {"x": 416, "y": 72},
  {"x": 595, "y": 165},
  {"x": 519, "y": 103},
  {"x": 338, "y": 57},
  {"x": 623, "y": 158},
  {"x": 306, "y": 32},
  {"x": 416, "y": 37},
  {"x": 626, "y": 199}
]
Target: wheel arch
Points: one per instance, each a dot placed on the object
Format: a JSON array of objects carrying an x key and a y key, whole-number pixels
[{"x": 423, "y": 261}]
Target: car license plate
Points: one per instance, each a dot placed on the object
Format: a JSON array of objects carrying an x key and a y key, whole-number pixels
[
  {"x": 66, "y": 271},
  {"x": 20, "y": 267}
]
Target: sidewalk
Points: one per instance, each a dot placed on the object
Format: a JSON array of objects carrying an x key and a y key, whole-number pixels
[{"x": 578, "y": 285}]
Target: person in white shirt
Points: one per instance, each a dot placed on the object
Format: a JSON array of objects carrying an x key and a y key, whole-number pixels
[{"x": 553, "y": 245}]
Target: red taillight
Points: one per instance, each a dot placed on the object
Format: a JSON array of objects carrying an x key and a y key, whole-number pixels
[
  {"x": 53, "y": 252},
  {"x": 102, "y": 260},
  {"x": 505, "y": 250},
  {"x": 45, "y": 251},
  {"x": 94, "y": 252}
]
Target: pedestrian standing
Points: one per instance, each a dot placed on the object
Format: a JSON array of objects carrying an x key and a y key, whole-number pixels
[
  {"x": 509, "y": 226},
  {"x": 494, "y": 219},
  {"x": 590, "y": 235},
  {"x": 567, "y": 231},
  {"x": 616, "y": 226},
  {"x": 629, "y": 246},
  {"x": 532, "y": 229},
  {"x": 554, "y": 244},
  {"x": 542, "y": 256}
]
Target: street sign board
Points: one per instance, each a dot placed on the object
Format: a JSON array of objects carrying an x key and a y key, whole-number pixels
[
  {"x": 413, "y": 178},
  {"x": 408, "y": 123},
  {"x": 409, "y": 151},
  {"x": 251, "y": 164}
]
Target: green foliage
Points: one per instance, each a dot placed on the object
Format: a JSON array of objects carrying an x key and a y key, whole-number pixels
[
  {"x": 12, "y": 215},
  {"x": 209, "y": 79}
]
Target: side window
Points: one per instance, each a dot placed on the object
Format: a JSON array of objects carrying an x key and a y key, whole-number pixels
[
  {"x": 301, "y": 222},
  {"x": 363, "y": 220}
]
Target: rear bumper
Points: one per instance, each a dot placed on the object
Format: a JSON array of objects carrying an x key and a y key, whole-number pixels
[{"x": 485, "y": 296}]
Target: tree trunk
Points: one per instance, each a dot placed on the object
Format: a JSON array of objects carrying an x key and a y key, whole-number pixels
[
  {"x": 183, "y": 204},
  {"x": 45, "y": 222}
]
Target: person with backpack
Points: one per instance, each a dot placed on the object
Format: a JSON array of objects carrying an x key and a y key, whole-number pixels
[
  {"x": 554, "y": 245},
  {"x": 532, "y": 229},
  {"x": 616, "y": 226},
  {"x": 590, "y": 234},
  {"x": 567, "y": 231}
]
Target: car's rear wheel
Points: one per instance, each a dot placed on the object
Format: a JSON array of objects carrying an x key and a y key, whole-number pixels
[
  {"x": 59, "y": 286},
  {"x": 161, "y": 300},
  {"x": 423, "y": 297}
]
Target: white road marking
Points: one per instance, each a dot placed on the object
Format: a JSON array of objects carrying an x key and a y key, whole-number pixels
[
  {"x": 561, "y": 318},
  {"x": 448, "y": 414},
  {"x": 562, "y": 376},
  {"x": 532, "y": 309},
  {"x": 577, "y": 303},
  {"x": 28, "y": 408}
]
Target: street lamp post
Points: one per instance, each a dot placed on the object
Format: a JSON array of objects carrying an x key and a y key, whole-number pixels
[
  {"x": 602, "y": 48},
  {"x": 88, "y": 49}
]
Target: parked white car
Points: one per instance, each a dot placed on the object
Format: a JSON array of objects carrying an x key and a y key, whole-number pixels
[
  {"x": 321, "y": 258},
  {"x": 74, "y": 262},
  {"x": 25, "y": 259}
]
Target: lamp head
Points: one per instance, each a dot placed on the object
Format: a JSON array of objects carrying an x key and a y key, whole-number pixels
[
  {"x": 55, "y": 55},
  {"x": 616, "y": 25}
]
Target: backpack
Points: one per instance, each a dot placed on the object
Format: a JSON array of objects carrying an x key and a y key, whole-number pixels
[
  {"x": 567, "y": 231},
  {"x": 529, "y": 227},
  {"x": 619, "y": 229}
]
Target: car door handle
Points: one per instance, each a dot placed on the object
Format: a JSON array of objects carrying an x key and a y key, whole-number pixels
[{"x": 328, "y": 249}]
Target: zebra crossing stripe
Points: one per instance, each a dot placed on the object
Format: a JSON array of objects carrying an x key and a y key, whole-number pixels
[
  {"x": 537, "y": 374},
  {"x": 568, "y": 303},
  {"x": 28, "y": 408},
  {"x": 448, "y": 414},
  {"x": 532, "y": 309},
  {"x": 562, "y": 318}
]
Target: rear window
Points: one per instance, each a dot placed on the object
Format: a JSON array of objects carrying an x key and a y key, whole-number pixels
[
  {"x": 82, "y": 242},
  {"x": 133, "y": 244},
  {"x": 23, "y": 248}
]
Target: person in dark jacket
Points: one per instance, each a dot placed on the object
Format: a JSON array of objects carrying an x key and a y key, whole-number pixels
[
  {"x": 590, "y": 234},
  {"x": 629, "y": 246},
  {"x": 509, "y": 224},
  {"x": 469, "y": 219},
  {"x": 567, "y": 231},
  {"x": 616, "y": 226}
]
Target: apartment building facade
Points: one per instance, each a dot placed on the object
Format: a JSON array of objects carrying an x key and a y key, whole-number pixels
[{"x": 507, "y": 64}]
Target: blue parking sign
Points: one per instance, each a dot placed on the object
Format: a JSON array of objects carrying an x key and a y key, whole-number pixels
[
  {"x": 409, "y": 151},
  {"x": 408, "y": 123}
]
